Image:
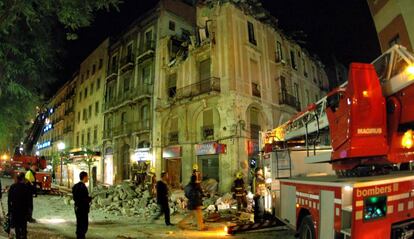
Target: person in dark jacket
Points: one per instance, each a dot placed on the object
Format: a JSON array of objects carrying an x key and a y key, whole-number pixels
[
  {"x": 194, "y": 193},
  {"x": 19, "y": 209},
  {"x": 82, "y": 205},
  {"x": 162, "y": 199}
]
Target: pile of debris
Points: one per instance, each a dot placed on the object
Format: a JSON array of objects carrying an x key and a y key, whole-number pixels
[{"x": 129, "y": 200}]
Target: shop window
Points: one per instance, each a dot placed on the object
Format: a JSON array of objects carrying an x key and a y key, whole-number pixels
[{"x": 210, "y": 167}]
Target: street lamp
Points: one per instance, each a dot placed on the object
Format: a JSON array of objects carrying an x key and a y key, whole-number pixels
[{"x": 61, "y": 147}]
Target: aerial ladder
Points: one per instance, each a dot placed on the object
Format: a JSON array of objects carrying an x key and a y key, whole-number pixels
[{"x": 370, "y": 118}]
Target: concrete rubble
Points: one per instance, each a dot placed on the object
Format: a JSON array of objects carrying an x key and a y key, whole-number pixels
[{"x": 127, "y": 199}]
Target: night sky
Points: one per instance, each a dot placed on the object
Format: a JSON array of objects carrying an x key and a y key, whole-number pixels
[{"x": 332, "y": 28}]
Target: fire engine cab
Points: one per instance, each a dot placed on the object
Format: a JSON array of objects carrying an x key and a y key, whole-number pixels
[{"x": 335, "y": 169}]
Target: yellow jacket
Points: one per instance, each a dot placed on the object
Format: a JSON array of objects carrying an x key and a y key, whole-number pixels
[{"x": 30, "y": 177}]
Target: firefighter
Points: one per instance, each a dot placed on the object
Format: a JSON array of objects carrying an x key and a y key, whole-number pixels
[
  {"x": 30, "y": 177},
  {"x": 196, "y": 173},
  {"x": 134, "y": 173},
  {"x": 140, "y": 173},
  {"x": 239, "y": 191},
  {"x": 151, "y": 181}
]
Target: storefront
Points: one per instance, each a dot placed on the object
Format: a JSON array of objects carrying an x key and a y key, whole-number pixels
[
  {"x": 108, "y": 166},
  {"x": 172, "y": 164},
  {"x": 208, "y": 159}
]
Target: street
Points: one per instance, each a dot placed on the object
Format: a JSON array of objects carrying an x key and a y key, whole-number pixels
[{"x": 57, "y": 220}]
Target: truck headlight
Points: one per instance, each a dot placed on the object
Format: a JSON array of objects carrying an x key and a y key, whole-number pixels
[{"x": 407, "y": 140}]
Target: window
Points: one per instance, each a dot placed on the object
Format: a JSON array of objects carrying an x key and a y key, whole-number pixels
[
  {"x": 208, "y": 125},
  {"x": 255, "y": 127},
  {"x": 83, "y": 139},
  {"x": 146, "y": 75},
  {"x": 93, "y": 69},
  {"x": 84, "y": 117},
  {"x": 293, "y": 60},
  {"x": 250, "y": 29},
  {"x": 148, "y": 40},
  {"x": 95, "y": 135},
  {"x": 279, "y": 52},
  {"x": 88, "y": 137},
  {"x": 100, "y": 63},
  {"x": 90, "y": 111},
  {"x": 96, "y": 108},
  {"x": 283, "y": 83},
  {"x": 80, "y": 96},
  {"x": 296, "y": 87},
  {"x": 305, "y": 72},
  {"x": 85, "y": 93},
  {"x": 144, "y": 116},
  {"x": 171, "y": 25},
  {"x": 114, "y": 64},
  {"x": 126, "y": 84},
  {"x": 307, "y": 97},
  {"x": 204, "y": 70},
  {"x": 129, "y": 52},
  {"x": 98, "y": 83},
  {"x": 79, "y": 116},
  {"x": 123, "y": 118},
  {"x": 87, "y": 74},
  {"x": 92, "y": 86},
  {"x": 77, "y": 139},
  {"x": 82, "y": 78},
  {"x": 395, "y": 40},
  {"x": 172, "y": 85}
]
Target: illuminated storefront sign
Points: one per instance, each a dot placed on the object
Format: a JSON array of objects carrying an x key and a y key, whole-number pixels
[
  {"x": 44, "y": 145},
  {"x": 210, "y": 148},
  {"x": 171, "y": 152}
]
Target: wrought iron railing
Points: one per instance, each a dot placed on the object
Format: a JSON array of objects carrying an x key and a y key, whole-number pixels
[
  {"x": 287, "y": 99},
  {"x": 204, "y": 86}
]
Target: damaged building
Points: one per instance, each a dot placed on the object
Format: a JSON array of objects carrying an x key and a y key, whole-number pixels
[{"x": 238, "y": 75}]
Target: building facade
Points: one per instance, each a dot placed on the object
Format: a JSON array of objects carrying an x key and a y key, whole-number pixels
[
  {"x": 394, "y": 22},
  {"x": 88, "y": 118},
  {"x": 215, "y": 92},
  {"x": 59, "y": 126},
  {"x": 128, "y": 109}
]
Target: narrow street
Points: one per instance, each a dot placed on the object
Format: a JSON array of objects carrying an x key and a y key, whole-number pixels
[{"x": 57, "y": 220}]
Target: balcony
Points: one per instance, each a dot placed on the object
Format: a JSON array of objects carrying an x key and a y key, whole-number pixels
[
  {"x": 129, "y": 128},
  {"x": 288, "y": 99},
  {"x": 132, "y": 95},
  {"x": 112, "y": 73},
  {"x": 127, "y": 63},
  {"x": 205, "y": 86},
  {"x": 67, "y": 130},
  {"x": 146, "y": 51}
]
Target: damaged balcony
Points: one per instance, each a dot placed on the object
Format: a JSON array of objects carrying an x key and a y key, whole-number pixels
[{"x": 205, "y": 86}]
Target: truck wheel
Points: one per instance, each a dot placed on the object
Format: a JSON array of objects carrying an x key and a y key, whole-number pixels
[{"x": 307, "y": 229}]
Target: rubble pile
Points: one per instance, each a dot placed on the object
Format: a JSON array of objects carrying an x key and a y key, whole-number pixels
[{"x": 129, "y": 200}]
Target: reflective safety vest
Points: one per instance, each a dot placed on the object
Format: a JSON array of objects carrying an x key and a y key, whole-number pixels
[{"x": 29, "y": 177}]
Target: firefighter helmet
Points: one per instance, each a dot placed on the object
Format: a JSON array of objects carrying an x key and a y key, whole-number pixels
[
  {"x": 239, "y": 175},
  {"x": 195, "y": 167}
]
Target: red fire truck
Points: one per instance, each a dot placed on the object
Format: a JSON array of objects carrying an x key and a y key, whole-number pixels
[
  {"x": 21, "y": 163},
  {"x": 361, "y": 131}
]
